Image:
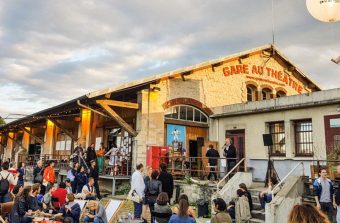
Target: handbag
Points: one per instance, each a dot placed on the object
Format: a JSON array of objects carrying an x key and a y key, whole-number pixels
[{"x": 133, "y": 196}]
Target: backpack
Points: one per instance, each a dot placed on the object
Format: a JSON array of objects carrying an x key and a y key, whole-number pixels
[
  {"x": 4, "y": 185},
  {"x": 70, "y": 175},
  {"x": 39, "y": 177}
]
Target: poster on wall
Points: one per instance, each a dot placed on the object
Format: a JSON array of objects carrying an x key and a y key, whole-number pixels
[
  {"x": 176, "y": 137},
  {"x": 98, "y": 142},
  {"x": 68, "y": 145},
  {"x": 57, "y": 146},
  {"x": 62, "y": 145}
]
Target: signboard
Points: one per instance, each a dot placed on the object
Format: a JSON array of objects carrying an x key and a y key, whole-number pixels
[
  {"x": 335, "y": 123},
  {"x": 263, "y": 73},
  {"x": 176, "y": 135}
]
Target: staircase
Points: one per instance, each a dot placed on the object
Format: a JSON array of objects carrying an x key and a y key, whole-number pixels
[{"x": 258, "y": 214}]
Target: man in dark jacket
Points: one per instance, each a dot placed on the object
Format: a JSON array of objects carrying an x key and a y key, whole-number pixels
[
  {"x": 337, "y": 196},
  {"x": 229, "y": 151},
  {"x": 94, "y": 173},
  {"x": 38, "y": 171},
  {"x": 213, "y": 156},
  {"x": 90, "y": 154},
  {"x": 324, "y": 194},
  {"x": 167, "y": 181}
]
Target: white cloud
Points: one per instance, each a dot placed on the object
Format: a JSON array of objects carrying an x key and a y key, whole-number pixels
[{"x": 52, "y": 51}]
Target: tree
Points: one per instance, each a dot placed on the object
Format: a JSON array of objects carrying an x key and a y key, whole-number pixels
[{"x": 2, "y": 121}]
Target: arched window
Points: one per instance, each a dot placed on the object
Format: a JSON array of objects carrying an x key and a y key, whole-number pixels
[
  {"x": 280, "y": 94},
  {"x": 186, "y": 113},
  {"x": 251, "y": 95},
  {"x": 266, "y": 92}
]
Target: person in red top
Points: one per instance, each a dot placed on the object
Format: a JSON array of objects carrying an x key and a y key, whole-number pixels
[
  {"x": 12, "y": 169},
  {"x": 49, "y": 175},
  {"x": 59, "y": 196}
]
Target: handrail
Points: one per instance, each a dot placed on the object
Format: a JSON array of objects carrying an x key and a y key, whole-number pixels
[
  {"x": 239, "y": 163},
  {"x": 290, "y": 172}
]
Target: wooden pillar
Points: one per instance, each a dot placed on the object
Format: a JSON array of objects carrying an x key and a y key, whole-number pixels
[
  {"x": 47, "y": 148},
  {"x": 85, "y": 136}
]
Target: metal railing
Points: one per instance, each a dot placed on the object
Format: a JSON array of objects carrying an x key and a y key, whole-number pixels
[
  {"x": 112, "y": 165},
  {"x": 290, "y": 172},
  {"x": 227, "y": 175},
  {"x": 193, "y": 166}
]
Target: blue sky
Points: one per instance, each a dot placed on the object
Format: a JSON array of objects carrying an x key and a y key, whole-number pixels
[{"x": 52, "y": 51}]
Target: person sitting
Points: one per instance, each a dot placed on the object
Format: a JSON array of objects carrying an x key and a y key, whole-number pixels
[
  {"x": 47, "y": 199},
  {"x": 243, "y": 187},
  {"x": 162, "y": 211},
  {"x": 221, "y": 215},
  {"x": 20, "y": 212},
  {"x": 89, "y": 191},
  {"x": 70, "y": 211},
  {"x": 191, "y": 211},
  {"x": 267, "y": 196},
  {"x": 81, "y": 179},
  {"x": 182, "y": 214},
  {"x": 98, "y": 214},
  {"x": 16, "y": 190},
  {"x": 242, "y": 210},
  {"x": 68, "y": 186},
  {"x": 32, "y": 198},
  {"x": 302, "y": 213},
  {"x": 231, "y": 210},
  {"x": 59, "y": 196}
]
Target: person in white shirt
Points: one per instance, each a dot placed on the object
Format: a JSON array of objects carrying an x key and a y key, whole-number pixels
[
  {"x": 89, "y": 191},
  {"x": 113, "y": 152},
  {"x": 137, "y": 184},
  {"x": 12, "y": 179}
]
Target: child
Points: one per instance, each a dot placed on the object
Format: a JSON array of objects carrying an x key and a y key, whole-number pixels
[{"x": 231, "y": 210}]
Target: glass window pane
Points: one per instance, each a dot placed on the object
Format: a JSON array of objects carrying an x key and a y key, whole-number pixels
[
  {"x": 190, "y": 113},
  {"x": 203, "y": 118},
  {"x": 175, "y": 112},
  {"x": 197, "y": 116},
  {"x": 183, "y": 113}
]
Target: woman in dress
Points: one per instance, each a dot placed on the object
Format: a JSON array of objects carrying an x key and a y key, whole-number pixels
[{"x": 100, "y": 157}]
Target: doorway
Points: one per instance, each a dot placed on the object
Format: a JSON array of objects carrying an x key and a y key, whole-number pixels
[{"x": 237, "y": 139}]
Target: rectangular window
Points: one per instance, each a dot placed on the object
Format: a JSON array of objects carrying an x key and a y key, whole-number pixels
[
  {"x": 336, "y": 141},
  {"x": 303, "y": 137},
  {"x": 277, "y": 130}
]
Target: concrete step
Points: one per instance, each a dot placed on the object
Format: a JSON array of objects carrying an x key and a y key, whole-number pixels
[
  {"x": 258, "y": 214},
  {"x": 255, "y": 220},
  {"x": 255, "y": 199},
  {"x": 256, "y": 205}
]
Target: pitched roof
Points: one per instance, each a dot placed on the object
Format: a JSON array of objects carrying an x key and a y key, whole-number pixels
[{"x": 202, "y": 65}]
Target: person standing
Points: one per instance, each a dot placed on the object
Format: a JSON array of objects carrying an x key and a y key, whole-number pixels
[
  {"x": 38, "y": 173},
  {"x": 75, "y": 171},
  {"x": 229, "y": 152},
  {"x": 337, "y": 197},
  {"x": 213, "y": 156},
  {"x": 49, "y": 174},
  {"x": 324, "y": 194},
  {"x": 21, "y": 171},
  {"x": 6, "y": 178},
  {"x": 137, "y": 184},
  {"x": 167, "y": 181},
  {"x": 81, "y": 179},
  {"x": 100, "y": 154},
  {"x": 14, "y": 170},
  {"x": 90, "y": 154},
  {"x": 152, "y": 189},
  {"x": 94, "y": 173}
]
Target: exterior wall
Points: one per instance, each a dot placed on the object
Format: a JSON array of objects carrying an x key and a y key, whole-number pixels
[
  {"x": 47, "y": 148},
  {"x": 255, "y": 126},
  {"x": 212, "y": 87}
]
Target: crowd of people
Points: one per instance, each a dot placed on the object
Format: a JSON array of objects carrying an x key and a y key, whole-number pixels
[{"x": 43, "y": 198}]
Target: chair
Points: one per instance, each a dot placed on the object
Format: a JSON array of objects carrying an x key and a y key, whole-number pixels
[{"x": 5, "y": 209}]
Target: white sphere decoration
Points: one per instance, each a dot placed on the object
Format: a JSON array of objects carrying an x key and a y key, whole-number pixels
[{"x": 324, "y": 10}]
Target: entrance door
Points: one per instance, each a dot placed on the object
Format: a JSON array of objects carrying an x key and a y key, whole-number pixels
[{"x": 237, "y": 138}]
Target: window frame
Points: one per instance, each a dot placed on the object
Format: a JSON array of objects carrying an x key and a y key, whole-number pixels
[
  {"x": 252, "y": 88},
  {"x": 273, "y": 134},
  {"x": 310, "y": 143},
  {"x": 179, "y": 108}
]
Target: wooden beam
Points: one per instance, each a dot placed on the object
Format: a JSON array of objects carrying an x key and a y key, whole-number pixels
[
  {"x": 115, "y": 103},
  {"x": 117, "y": 118},
  {"x": 17, "y": 142},
  {"x": 34, "y": 136},
  {"x": 59, "y": 125}
]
